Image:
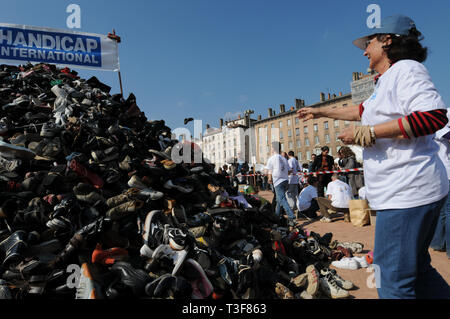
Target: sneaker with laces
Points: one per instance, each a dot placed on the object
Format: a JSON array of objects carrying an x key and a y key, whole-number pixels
[
  {"x": 331, "y": 289},
  {"x": 346, "y": 263},
  {"x": 341, "y": 282},
  {"x": 325, "y": 220}
]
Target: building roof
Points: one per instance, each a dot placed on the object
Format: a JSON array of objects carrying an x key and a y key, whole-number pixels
[{"x": 319, "y": 104}]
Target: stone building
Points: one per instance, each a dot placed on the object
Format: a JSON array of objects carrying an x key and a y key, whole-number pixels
[{"x": 304, "y": 138}]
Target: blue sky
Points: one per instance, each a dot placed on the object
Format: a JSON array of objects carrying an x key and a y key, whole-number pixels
[{"x": 212, "y": 59}]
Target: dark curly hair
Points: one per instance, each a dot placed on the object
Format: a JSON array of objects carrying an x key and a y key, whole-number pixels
[
  {"x": 405, "y": 47},
  {"x": 346, "y": 151}
]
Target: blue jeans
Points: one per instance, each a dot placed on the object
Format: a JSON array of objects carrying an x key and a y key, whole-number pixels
[
  {"x": 441, "y": 237},
  {"x": 402, "y": 239},
  {"x": 280, "y": 192}
]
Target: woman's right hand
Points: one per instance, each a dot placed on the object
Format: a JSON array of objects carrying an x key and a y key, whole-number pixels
[{"x": 308, "y": 113}]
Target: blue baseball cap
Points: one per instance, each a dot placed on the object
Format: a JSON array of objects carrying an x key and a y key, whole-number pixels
[{"x": 397, "y": 24}]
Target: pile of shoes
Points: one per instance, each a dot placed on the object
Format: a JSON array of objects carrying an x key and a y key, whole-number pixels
[{"x": 93, "y": 205}]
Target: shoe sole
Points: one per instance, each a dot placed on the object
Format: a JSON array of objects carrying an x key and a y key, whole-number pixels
[{"x": 313, "y": 280}]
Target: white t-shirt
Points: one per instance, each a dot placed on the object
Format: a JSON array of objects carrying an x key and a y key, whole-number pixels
[
  {"x": 362, "y": 193},
  {"x": 341, "y": 193},
  {"x": 403, "y": 173},
  {"x": 295, "y": 167},
  {"x": 277, "y": 165},
  {"x": 305, "y": 197}
]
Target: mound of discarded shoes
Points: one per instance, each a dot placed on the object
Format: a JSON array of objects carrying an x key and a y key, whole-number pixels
[{"x": 94, "y": 204}]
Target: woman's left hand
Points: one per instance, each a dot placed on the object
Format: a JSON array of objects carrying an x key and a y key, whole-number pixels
[{"x": 347, "y": 136}]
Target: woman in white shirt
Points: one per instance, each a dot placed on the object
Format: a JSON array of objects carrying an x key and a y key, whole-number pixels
[{"x": 406, "y": 182}]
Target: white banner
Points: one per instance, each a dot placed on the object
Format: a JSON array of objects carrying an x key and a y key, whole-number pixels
[{"x": 19, "y": 43}]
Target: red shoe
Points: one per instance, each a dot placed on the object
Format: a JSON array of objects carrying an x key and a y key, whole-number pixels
[
  {"x": 93, "y": 178},
  {"x": 109, "y": 256}
]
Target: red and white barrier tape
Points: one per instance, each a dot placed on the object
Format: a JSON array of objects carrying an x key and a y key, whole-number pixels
[{"x": 314, "y": 173}]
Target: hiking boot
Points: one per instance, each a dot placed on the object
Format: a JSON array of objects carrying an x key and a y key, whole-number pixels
[
  {"x": 331, "y": 289},
  {"x": 124, "y": 209},
  {"x": 10, "y": 165}
]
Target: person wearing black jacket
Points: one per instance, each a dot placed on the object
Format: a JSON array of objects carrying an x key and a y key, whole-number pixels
[{"x": 323, "y": 162}]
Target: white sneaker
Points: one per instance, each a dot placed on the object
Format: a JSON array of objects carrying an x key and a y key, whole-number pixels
[
  {"x": 330, "y": 288},
  {"x": 362, "y": 262},
  {"x": 325, "y": 220},
  {"x": 346, "y": 263}
]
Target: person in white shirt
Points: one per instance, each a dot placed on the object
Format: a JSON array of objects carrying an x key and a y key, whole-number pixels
[
  {"x": 406, "y": 182},
  {"x": 278, "y": 172},
  {"x": 307, "y": 200},
  {"x": 292, "y": 191},
  {"x": 362, "y": 193},
  {"x": 339, "y": 194}
]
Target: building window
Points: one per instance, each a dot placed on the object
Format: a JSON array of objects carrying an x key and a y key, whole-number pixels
[
  {"x": 346, "y": 123},
  {"x": 336, "y": 123},
  {"x": 308, "y": 155},
  {"x": 289, "y": 133},
  {"x": 281, "y": 124},
  {"x": 316, "y": 140},
  {"x": 272, "y": 125},
  {"x": 327, "y": 138},
  {"x": 337, "y": 134},
  {"x": 289, "y": 122},
  {"x": 307, "y": 141},
  {"x": 290, "y": 146},
  {"x": 316, "y": 127},
  {"x": 281, "y": 134},
  {"x": 296, "y": 121},
  {"x": 282, "y": 147},
  {"x": 299, "y": 144},
  {"x": 297, "y": 131},
  {"x": 299, "y": 155},
  {"x": 325, "y": 125},
  {"x": 305, "y": 130}
]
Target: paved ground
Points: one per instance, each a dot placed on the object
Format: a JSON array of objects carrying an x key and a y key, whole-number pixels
[{"x": 347, "y": 232}]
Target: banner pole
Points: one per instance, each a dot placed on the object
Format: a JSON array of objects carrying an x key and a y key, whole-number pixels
[
  {"x": 120, "y": 82},
  {"x": 115, "y": 37}
]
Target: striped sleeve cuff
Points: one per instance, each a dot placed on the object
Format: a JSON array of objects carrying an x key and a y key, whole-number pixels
[{"x": 423, "y": 123}]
